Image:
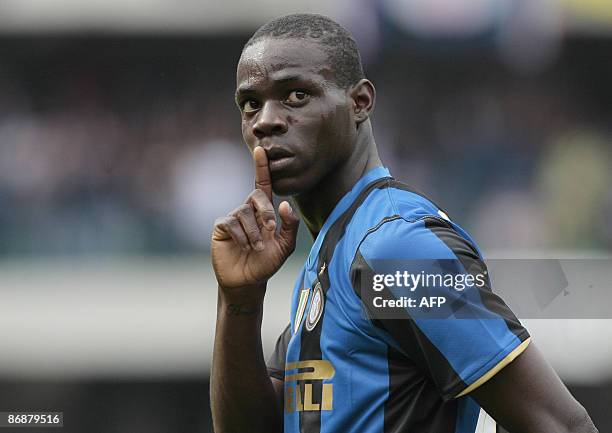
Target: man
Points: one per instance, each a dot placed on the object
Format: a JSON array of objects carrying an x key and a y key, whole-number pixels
[{"x": 305, "y": 106}]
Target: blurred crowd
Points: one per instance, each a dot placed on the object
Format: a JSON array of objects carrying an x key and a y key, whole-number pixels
[{"x": 133, "y": 145}]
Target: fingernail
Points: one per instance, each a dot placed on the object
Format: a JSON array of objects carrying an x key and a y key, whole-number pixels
[
  {"x": 271, "y": 225},
  {"x": 259, "y": 246}
]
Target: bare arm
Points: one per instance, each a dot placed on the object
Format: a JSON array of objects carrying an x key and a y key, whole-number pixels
[
  {"x": 242, "y": 394},
  {"x": 527, "y": 396},
  {"x": 246, "y": 251}
]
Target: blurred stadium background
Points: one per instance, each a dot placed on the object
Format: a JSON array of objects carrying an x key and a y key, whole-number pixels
[{"x": 120, "y": 144}]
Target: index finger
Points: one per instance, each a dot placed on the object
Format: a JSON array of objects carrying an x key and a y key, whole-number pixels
[{"x": 263, "y": 180}]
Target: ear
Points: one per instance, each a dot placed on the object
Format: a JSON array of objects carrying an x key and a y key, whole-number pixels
[{"x": 363, "y": 95}]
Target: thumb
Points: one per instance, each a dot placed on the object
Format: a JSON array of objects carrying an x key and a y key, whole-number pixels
[{"x": 289, "y": 225}]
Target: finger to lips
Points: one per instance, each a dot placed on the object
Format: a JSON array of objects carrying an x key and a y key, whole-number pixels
[
  {"x": 263, "y": 181},
  {"x": 246, "y": 216}
]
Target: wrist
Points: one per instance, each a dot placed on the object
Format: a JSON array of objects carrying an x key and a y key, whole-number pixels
[{"x": 248, "y": 298}]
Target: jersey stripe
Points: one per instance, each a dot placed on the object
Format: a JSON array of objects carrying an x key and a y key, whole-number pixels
[
  {"x": 413, "y": 419},
  {"x": 310, "y": 344},
  {"x": 310, "y": 349},
  {"x": 471, "y": 261},
  {"x": 405, "y": 335}
]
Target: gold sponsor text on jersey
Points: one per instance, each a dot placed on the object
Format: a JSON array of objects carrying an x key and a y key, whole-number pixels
[{"x": 299, "y": 390}]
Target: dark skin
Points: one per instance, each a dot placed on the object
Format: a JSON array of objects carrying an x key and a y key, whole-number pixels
[
  {"x": 292, "y": 105},
  {"x": 312, "y": 140}
]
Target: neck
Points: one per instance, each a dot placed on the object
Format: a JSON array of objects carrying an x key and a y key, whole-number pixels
[{"x": 317, "y": 204}]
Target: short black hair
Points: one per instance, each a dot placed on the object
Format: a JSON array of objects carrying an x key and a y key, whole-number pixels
[{"x": 335, "y": 40}]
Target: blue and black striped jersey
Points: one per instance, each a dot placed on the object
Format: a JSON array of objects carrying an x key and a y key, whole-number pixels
[{"x": 347, "y": 369}]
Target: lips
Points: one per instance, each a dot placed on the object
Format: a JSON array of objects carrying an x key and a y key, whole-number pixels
[
  {"x": 279, "y": 158},
  {"x": 281, "y": 163},
  {"x": 277, "y": 153}
]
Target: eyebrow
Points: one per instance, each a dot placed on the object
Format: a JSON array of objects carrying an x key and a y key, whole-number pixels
[{"x": 245, "y": 88}]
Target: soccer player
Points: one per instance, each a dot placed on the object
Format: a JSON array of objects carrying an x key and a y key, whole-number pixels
[{"x": 305, "y": 106}]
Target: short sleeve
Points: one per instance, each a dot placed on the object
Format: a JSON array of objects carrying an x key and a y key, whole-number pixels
[
  {"x": 276, "y": 363},
  {"x": 458, "y": 343}
]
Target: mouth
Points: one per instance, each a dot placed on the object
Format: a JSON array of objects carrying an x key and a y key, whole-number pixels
[
  {"x": 280, "y": 163},
  {"x": 279, "y": 158},
  {"x": 277, "y": 153}
]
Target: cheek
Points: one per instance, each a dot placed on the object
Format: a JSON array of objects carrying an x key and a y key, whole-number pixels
[
  {"x": 247, "y": 136},
  {"x": 345, "y": 130},
  {"x": 336, "y": 133}
]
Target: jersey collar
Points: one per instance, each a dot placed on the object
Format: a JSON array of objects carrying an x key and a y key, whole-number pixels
[{"x": 342, "y": 205}]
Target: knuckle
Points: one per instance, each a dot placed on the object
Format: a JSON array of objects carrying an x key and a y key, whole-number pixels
[
  {"x": 256, "y": 193},
  {"x": 232, "y": 222},
  {"x": 260, "y": 198},
  {"x": 222, "y": 222},
  {"x": 259, "y": 193},
  {"x": 254, "y": 233},
  {"x": 268, "y": 214},
  {"x": 243, "y": 210}
]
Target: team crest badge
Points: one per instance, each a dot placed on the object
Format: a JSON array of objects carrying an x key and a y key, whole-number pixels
[{"x": 316, "y": 307}]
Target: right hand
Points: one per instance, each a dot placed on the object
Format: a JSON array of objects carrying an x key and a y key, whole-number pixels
[{"x": 246, "y": 247}]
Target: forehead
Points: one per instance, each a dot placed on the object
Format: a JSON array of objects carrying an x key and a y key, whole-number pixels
[{"x": 268, "y": 59}]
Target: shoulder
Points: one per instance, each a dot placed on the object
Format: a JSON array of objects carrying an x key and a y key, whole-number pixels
[
  {"x": 396, "y": 221},
  {"x": 389, "y": 200},
  {"x": 427, "y": 237}
]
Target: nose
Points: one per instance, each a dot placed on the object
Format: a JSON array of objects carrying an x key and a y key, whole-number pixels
[{"x": 269, "y": 121}]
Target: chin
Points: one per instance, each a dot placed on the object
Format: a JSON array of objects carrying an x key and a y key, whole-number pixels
[
  {"x": 285, "y": 188},
  {"x": 289, "y": 186}
]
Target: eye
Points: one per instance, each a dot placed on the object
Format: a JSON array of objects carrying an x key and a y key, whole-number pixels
[
  {"x": 298, "y": 96},
  {"x": 250, "y": 105}
]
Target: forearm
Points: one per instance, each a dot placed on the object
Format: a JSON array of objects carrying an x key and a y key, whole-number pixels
[{"x": 242, "y": 396}]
